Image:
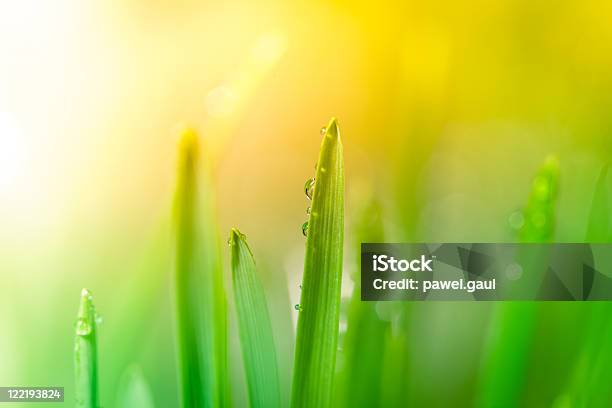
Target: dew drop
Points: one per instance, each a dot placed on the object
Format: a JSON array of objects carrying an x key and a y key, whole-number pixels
[
  {"x": 309, "y": 188},
  {"x": 305, "y": 228},
  {"x": 298, "y": 307},
  {"x": 308, "y": 210},
  {"x": 83, "y": 328},
  {"x": 323, "y": 130}
]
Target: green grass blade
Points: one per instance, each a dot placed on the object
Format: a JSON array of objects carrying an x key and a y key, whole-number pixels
[
  {"x": 86, "y": 354},
  {"x": 598, "y": 226},
  {"x": 590, "y": 379},
  {"x": 317, "y": 331},
  {"x": 134, "y": 391},
  {"x": 254, "y": 327},
  {"x": 513, "y": 325},
  {"x": 539, "y": 214},
  {"x": 200, "y": 296},
  {"x": 359, "y": 381}
]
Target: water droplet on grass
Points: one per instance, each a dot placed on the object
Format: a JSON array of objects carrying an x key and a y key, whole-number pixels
[
  {"x": 83, "y": 328},
  {"x": 323, "y": 130},
  {"x": 298, "y": 307},
  {"x": 86, "y": 293},
  {"x": 309, "y": 188},
  {"x": 308, "y": 210},
  {"x": 305, "y": 228}
]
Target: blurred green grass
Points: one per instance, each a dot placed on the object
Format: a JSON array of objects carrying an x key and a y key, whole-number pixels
[{"x": 449, "y": 110}]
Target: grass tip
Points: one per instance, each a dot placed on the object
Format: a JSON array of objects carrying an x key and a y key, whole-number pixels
[
  {"x": 86, "y": 305},
  {"x": 188, "y": 140},
  {"x": 237, "y": 238},
  {"x": 331, "y": 130}
]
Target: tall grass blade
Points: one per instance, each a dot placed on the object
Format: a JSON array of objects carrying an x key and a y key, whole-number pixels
[
  {"x": 589, "y": 385},
  {"x": 539, "y": 214},
  {"x": 359, "y": 382},
  {"x": 254, "y": 327},
  {"x": 200, "y": 296},
  {"x": 598, "y": 226},
  {"x": 86, "y": 354},
  {"x": 134, "y": 391},
  {"x": 317, "y": 331},
  {"x": 513, "y": 324}
]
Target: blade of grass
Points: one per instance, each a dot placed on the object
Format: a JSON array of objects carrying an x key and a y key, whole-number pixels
[
  {"x": 598, "y": 225},
  {"x": 591, "y": 375},
  {"x": 200, "y": 296},
  {"x": 359, "y": 383},
  {"x": 254, "y": 326},
  {"x": 513, "y": 324},
  {"x": 395, "y": 374},
  {"x": 86, "y": 354},
  {"x": 134, "y": 391},
  {"x": 317, "y": 331}
]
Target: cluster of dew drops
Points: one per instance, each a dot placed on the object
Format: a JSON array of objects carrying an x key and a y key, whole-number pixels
[
  {"x": 309, "y": 191},
  {"x": 84, "y": 327}
]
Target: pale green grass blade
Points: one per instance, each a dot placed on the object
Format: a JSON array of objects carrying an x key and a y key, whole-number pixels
[
  {"x": 513, "y": 324},
  {"x": 359, "y": 381},
  {"x": 134, "y": 391},
  {"x": 255, "y": 329},
  {"x": 589, "y": 383},
  {"x": 395, "y": 376},
  {"x": 317, "y": 331},
  {"x": 539, "y": 214},
  {"x": 598, "y": 227},
  {"x": 86, "y": 354},
  {"x": 200, "y": 296}
]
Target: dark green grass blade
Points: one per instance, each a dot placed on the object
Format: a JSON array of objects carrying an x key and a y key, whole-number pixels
[
  {"x": 317, "y": 331},
  {"x": 86, "y": 354},
  {"x": 200, "y": 296},
  {"x": 255, "y": 329},
  {"x": 513, "y": 324}
]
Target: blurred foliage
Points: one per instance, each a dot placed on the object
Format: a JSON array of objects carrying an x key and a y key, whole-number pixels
[{"x": 447, "y": 110}]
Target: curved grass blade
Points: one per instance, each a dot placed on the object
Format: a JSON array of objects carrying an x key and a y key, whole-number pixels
[
  {"x": 134, "y": 391},
  {"x": 254, "y": 326},
  {"x": 317, "y": 330},
  {"x": 200, "y": 296},
  {"x": 513, "y": 324},
  {"x": 86, "y": 354}
]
